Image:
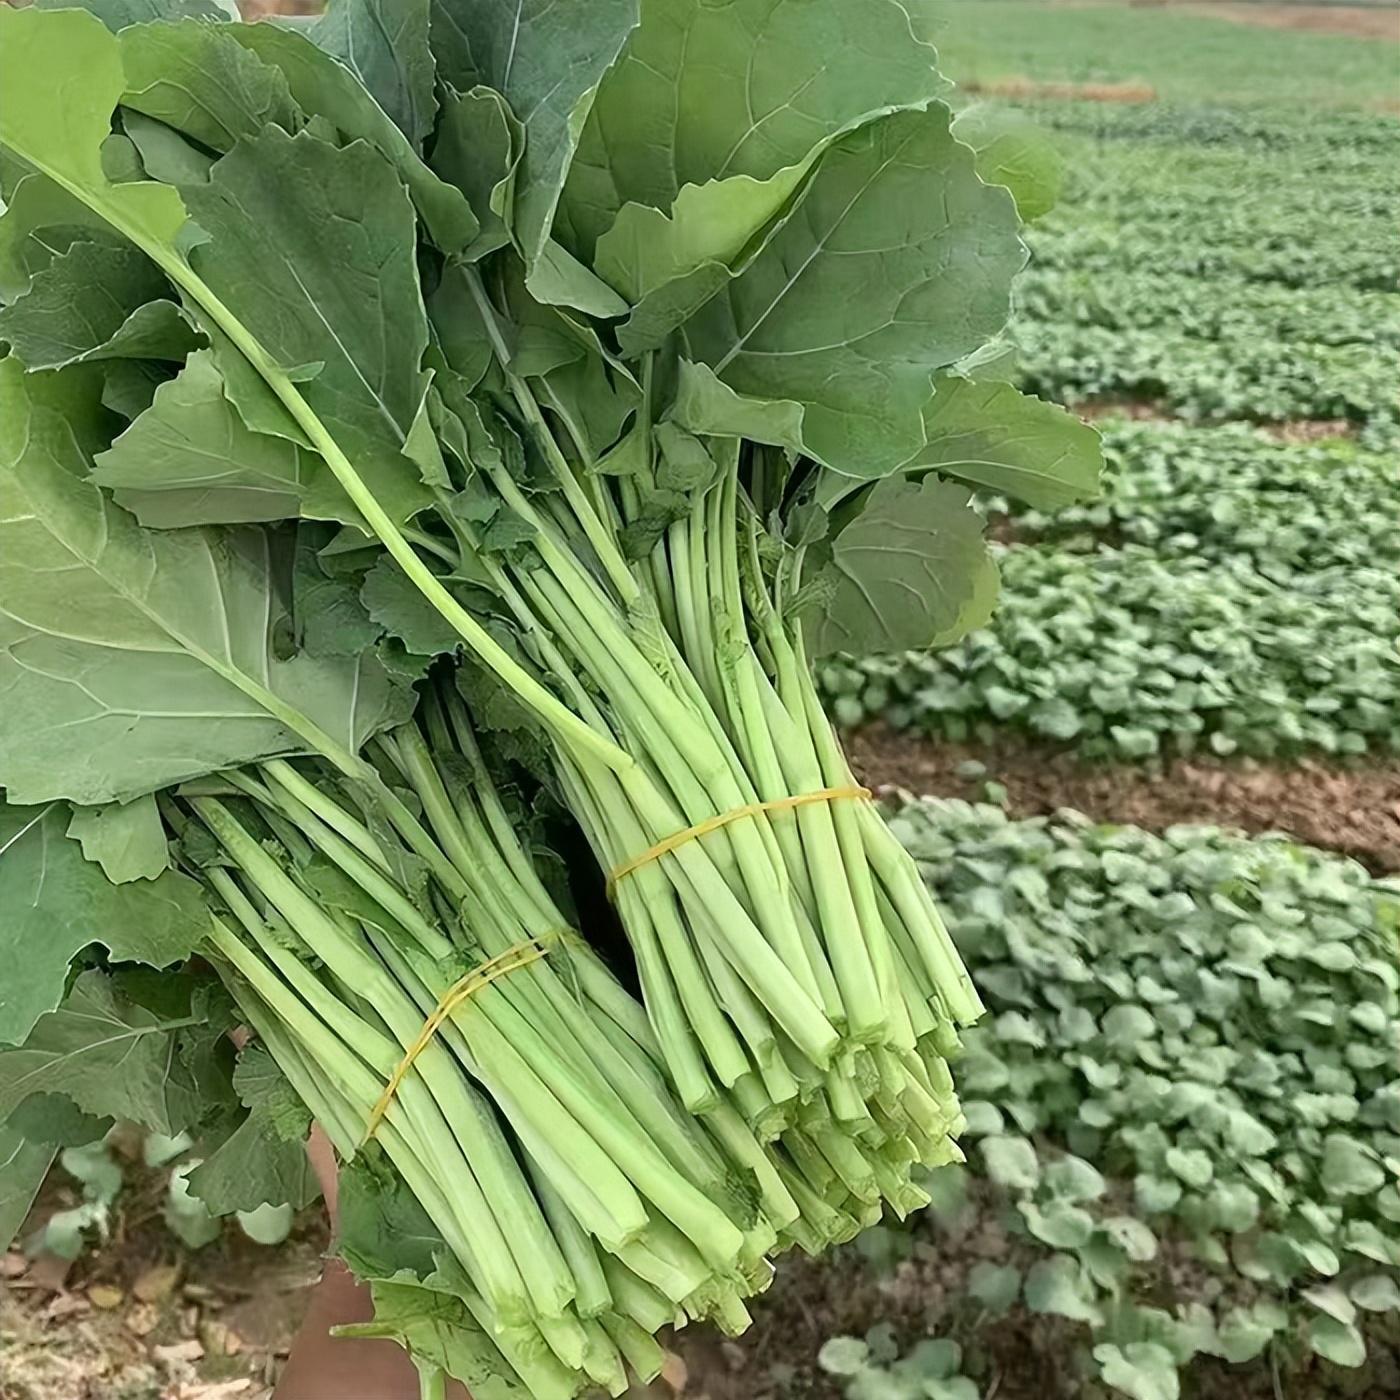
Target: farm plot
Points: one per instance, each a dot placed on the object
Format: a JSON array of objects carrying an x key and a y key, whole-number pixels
[
  {"x": 1182, "y": 1127},
  {"x": 1230, "y": 594},
  {"x": 1185, "y": 270},
  {"x": 1179, "y": 1107},
  {"x": 1236, "y": 590}
]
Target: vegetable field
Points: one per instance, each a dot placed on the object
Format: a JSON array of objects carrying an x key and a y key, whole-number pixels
[{"x": 468, "y": 483}]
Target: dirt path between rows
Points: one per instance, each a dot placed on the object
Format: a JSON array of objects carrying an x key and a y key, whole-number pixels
[
  {"x": 1356, "y": 21},
  {"x": 1375, "y": 21},
  {"x": 1354, "y": 811}
]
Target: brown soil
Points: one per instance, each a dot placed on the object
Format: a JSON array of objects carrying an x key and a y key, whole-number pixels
[
  {"x": 1354, "y": 811},
  {"x": 1357, "y": 21},
  {"x": 1024, "y": 88},
  {"x": 219, "y": 1325},
  {"x": 1293, "y": 430}
]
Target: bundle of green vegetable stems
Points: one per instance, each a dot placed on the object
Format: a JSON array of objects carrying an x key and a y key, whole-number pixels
[
  {"x": 584, "y": 1203},
  {"x": 431, "y": 435}
]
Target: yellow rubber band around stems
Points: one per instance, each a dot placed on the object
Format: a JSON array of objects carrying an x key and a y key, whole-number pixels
[
  {"x": 751, "y": 809},
  {"x": 518, "y": 955}
]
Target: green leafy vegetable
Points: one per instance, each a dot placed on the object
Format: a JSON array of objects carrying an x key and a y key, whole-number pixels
[{"x": 366, "y": 526}]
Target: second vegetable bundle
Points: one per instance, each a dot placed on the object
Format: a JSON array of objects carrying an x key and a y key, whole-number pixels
[{"x": 418, "y": 438}]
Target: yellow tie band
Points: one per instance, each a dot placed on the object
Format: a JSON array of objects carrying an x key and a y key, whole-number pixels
[{"x": 752, "y": 809}]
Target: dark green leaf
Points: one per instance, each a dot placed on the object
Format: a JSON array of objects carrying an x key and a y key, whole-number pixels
[
  {"x": 994, "y": 437},
  {"x": 126, "y": 839},
  {"x": 911, "y": 570},
  {"x": 546, "y": 60},
  {"x": 321, "y": 84},
  {"x": 384, "y": 43},
  {"x": 95, "y": 302},
  {"x": 315, "y": 246},
  {"x": 54, "y": 903},
  {"x": 23, "y": 1167},
  {"x": 112, "y": 685},
  {"x": 200, "y": 80},
  {"x": 107, "y": 1053},
  {"x": 834, "y": 316}
]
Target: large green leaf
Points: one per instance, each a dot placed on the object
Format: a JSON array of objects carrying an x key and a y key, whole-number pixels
[
  {"x": 55, "y": 1120},
  {"x": 199, "y": 79},
  {"x": 910, "y": 571},
  {"x": 58, "y": 127},
  {"x": 866, "y": 288},
  {"x": 253, "y": 1167},
  {"x": 547, "y": 60},
  {"x": 707, "y": 125},
  {"x": 40, "y": 221},
  {"x": 23, "y": 1167},
  {"x": 131, "y": 659},
  {"x": 55, "y": 902},
  {"x": 1013, "y": 152},
  {"x": 704, "y": 94},
  {"x": 321, "y": 84},
  {"x": 478, "y": 146},
  {"x": 109, "y": 1054},
  {"x": 190, "y": 460},
  {"x": 385, "y": 44},
  {"x": 705, "y": 404},
  {"x": 126, "y": 839},
  {"x": 315, "y": 247},
  {"x": 95, "y": 301},
  {"x": 996, "y": 437}
]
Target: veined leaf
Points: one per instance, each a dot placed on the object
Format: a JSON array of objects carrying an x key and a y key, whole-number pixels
[
  {"x": 59, "y": 127},
  {"x": 322, "y": 85},
  {"x": 397, "y": 607},
  {"x": 108, "y": 1053},
  {"x": 252, "y": 1167},
  {"x": 263, "y": 1161},
  {"x": 384, "y": 43},
  {"x": 23, "y": 1167},
  {"x": 40, "y": 221},
  {"x": 125, "y": 838},
  {"x": 1013, "y": 152},
  {"x": 55, "y": 902},
  {"x": 200, "y": 80},
  {"x": 705, "y": 404},
  {"x": 478, "y": 147},
  {"x": 189, "y": 460},
  {"x": 440, "y": 1329},
  {"x": 315, "y": 247},
  {"x": 996, "y": 437},
  {"x": 54, "y": 1119},
  {"x": 708, "y": 124},
  {"x": 559, "y": 279},
  {"x": 547, "y": 60},
  {"x": 96, "y": 302},
  {"x": 911, "y": 571},
  {"x": 704, "y": 94},
  {"x": 866, "y": 288},
  {"x": 366, "y": 212},
  {"x": 154, "y": 661}
]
